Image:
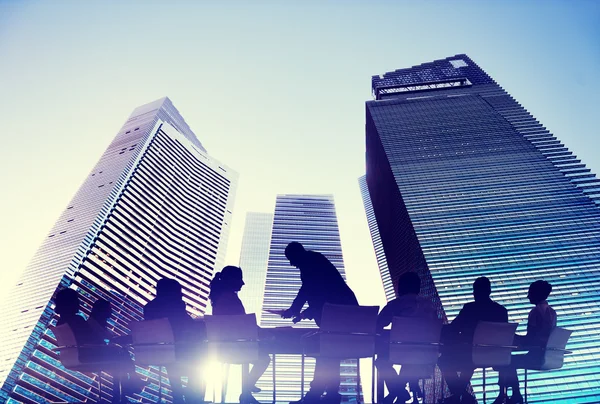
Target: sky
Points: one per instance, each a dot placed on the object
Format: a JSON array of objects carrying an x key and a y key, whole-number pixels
[{"x": 274, "y": 90}]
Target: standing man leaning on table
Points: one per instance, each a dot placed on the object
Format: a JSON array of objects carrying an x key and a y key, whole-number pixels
[{"x": 321, "y": 283}]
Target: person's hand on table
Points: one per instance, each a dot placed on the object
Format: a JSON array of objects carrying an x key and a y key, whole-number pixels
[{"x": 289, "y": 314}]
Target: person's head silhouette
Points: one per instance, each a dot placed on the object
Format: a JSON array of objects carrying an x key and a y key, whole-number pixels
[
  {"x": 539, "y": 291},
  {"x": 67, "y": 302},
  {"x": 409, "y": 283},
  {"x": 167, "y": 288},
  {"x": 482, "y": 288},
  {"x": 295, "y": 253},
  {"x": 230, "y": 279},
  {"x": 101, "y": 311}
]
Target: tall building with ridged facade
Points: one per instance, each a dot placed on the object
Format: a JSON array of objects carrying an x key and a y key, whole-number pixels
[
  {"x": 254, "y": 257},
  {"x": 465, "y": 182},
  {"x": 386, "y": 278},
  {"x": 155, "y": 205},
  {"x": 312, "y": 221}
]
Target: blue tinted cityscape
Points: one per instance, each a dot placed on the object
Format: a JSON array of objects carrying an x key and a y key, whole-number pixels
[
  {"x": 461, "y": 181},
  {"x": 171, "y": 142}
]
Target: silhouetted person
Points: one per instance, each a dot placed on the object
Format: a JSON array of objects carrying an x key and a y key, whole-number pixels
[
  {"x": 458, "y": 340},
  {"x": 98, "y": 320},
  {"x": 540, "y": 323},
  {"x": 187, "y": 332},
  {"x": 224, "y": 298},
  {"x": 321, "y": 283},
  {"x": 408, "y": 304},
  {"x": 67, "y": 307},
  {"x": 98, "y": 323}
]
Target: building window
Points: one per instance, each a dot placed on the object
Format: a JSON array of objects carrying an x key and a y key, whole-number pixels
[{"x": 458, "y": 63}]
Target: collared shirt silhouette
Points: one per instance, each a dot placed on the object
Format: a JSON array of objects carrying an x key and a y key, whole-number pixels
[{"x": 321, "y": 283}]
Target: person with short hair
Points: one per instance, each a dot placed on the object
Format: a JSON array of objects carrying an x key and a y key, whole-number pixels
[
  {"x": 67, "y": 307},
  {"x": 321, "y": 283},
  {"x": 407, "y": 304},
  {"x": 540, "y": 323},
  {"x": 455, "y": 362},
  {"x": 225, "y": 301}
]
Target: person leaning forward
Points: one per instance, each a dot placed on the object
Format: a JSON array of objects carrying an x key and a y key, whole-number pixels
[{"x": 321, "y": 283}]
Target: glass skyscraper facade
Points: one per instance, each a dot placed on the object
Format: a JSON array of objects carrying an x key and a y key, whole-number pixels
[
  {"x": 254, "y": 257},
  {"x": 464, "y": 182},
  {"x": 312, "y": 221},
  {"x": 155, "y": 205},
  {"x": 386, "y": 278}
]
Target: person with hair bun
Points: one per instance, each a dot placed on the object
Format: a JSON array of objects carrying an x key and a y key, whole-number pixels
[
  {"x": 540, "y": 323},
  {"x": 225, "y": 301}
]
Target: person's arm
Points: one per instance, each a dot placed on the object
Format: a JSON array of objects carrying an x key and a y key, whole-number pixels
[
  {"x": 297, "y": 305},
  {"x": 533, "y": 322},
  {"x": 384, "y": 318}
]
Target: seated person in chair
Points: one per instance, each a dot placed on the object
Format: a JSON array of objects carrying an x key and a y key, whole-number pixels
[
  {"x": 98, "y": 323},
  {"x": 321, "y": 283},
  {"x": 224, "y": 298},
  {"x": 456, "y": 363},
  {"x": 408, "y": 304},
  {"x": 187, "y": 332},
  {"x": 67, "y": 307},
  {"x": 540, "y": 323}
]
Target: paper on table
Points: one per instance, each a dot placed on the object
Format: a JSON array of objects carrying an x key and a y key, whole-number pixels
[{"x": 277, "y": 312}]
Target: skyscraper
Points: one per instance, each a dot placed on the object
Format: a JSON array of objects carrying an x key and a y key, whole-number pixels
[
  {"x": 388, "y": 286},
  {"x": 465, "y": 182},
  {"x": 254, "y": 258},
  {"x": 312, "y": 221},
  {"x": 155, "y": 205}
]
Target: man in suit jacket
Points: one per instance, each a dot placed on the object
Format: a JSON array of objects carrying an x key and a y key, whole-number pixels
[{"x": 460, "y": 331}]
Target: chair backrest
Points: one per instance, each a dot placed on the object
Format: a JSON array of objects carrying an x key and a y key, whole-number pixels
[
  {"x": 232, "y": 339},
  {"x": 69, "y": 354},
  {"x": 554, "y": 354},
  {"x": 153, "y": 342},
  {"x": 348, "y": 331},
  {"x": 492, "y": 343},
  {"x": 415, "y": 341}
]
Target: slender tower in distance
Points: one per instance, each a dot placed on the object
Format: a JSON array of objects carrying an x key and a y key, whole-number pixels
[
  {"x": 254, "y": 257},
  {"x": 384, "y": 271},
  {"x": 155, "y": 205},
  {"x": 464, "y": 182}
]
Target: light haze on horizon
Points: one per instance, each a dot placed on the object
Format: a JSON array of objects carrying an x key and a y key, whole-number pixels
[{"x": 275, "y": 91}]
